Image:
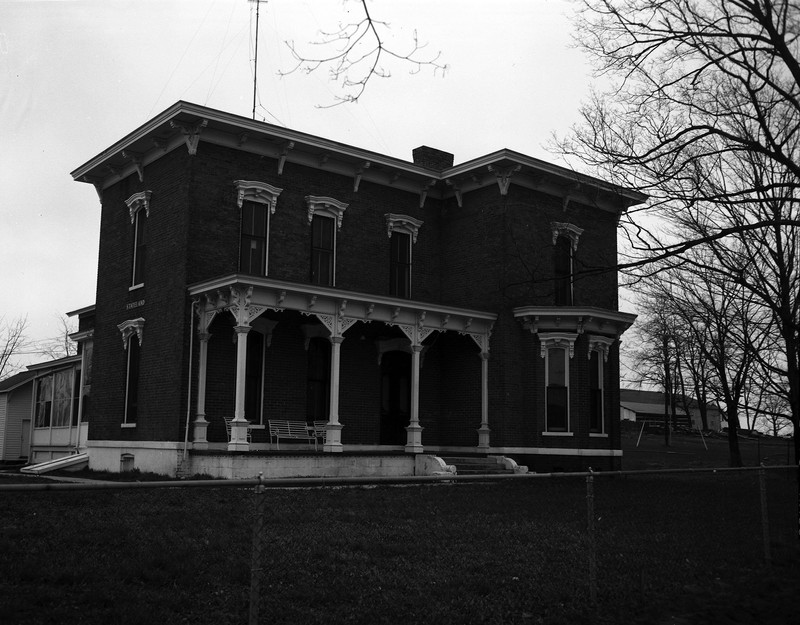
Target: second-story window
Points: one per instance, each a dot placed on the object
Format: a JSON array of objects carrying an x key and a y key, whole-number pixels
[
  {"x": 253, "y": 245},
  {"x": 323, "y": 250},
  {"x": 565, "y": 242},
  {"x": 400, "y": 266},
  {"x": 325, "y": 217},
  {"x": 563, "y": 272},
  {"x": 258, "y": 201},
  {"x": 403, "y": 231},
  {"x": 139, "y": 208}
]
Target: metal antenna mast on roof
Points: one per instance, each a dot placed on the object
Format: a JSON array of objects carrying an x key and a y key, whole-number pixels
[{"x": 255, "y": 59}]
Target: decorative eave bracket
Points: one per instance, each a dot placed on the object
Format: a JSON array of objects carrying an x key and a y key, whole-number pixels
[
  {"x": 423, "y": 193},
  {"x": 504, "y": 176},
  {"x": 456, "y": 191},
  {"x": 287, "y": 147},
  {"x": 136, "y": 159},
  {"x": 358, "y": 174},
  {"x": 191, "y": 134}
]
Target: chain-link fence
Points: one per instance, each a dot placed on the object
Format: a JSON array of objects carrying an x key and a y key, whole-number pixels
[{"x": 569, "y": 548}]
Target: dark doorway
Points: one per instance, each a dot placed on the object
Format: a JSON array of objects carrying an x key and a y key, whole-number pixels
[
  {"x": 254, "y": 377},
  {"x": 318, "y": 379},
  {"x": 395, "y": 397}
]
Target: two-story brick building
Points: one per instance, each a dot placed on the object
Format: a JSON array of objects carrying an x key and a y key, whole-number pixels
[{"x": 421, "y": 309}]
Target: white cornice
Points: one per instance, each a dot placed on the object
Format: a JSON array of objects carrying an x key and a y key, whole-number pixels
[
  {"x": 578, "y": 319},
  {"x": 163, "y": 134}
]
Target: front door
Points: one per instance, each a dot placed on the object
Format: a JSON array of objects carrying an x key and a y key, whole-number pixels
[{"x": 395, "y": 397}]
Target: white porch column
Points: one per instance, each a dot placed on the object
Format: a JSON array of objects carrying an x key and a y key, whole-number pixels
[
  {"x": 414, "y": 429},
  {"x": 199, "y": 436},
  {"x": 483, "y": 431},
  {"x": 333, "y": 436},
  {"x": 238, "y": 440}
]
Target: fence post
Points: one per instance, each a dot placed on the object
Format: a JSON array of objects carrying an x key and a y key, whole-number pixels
[
  {"x": 256, "y": 566},
  {"x": 762, "y": 484},
  {"x": 590, "y": 529}
]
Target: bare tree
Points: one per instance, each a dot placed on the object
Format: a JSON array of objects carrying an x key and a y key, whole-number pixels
[
  {"x": 704, "y": 116},
  {"x": 60, "y": 345},
  {"x": 695, "y": 84},
  {"x": 13, "y": 341},
  {"x": 356, "y": 51}
]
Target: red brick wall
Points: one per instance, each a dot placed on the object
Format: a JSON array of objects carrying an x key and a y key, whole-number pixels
[
  {"x": 163, "y": 379},
  {"x": 492, "y": 254}
]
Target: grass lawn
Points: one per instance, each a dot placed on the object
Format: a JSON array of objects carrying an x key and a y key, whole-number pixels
[
  {"x": 692, "y": 451},
  {"x": 510, "y": 552}
]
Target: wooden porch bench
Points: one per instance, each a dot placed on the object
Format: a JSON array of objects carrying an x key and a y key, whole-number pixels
[{"x": 295, "y": 430}]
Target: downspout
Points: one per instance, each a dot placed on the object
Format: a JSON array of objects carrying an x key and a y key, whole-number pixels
[{"x": 189, "y": 394}]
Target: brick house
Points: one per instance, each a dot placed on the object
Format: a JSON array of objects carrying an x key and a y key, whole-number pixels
[{"x": 420, "y": 309}]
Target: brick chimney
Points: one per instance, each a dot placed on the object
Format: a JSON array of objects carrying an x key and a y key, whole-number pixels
[{"x": 431, "y": 158}]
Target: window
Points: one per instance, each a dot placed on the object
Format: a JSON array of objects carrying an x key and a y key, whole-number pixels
[
  {"x": 565, "y": 242},
  {"x": 132, "y": 383},
  {"x": 139, "y": 248},
  {"x": 44, "y": 401},
  {"x": 598, "y": 356},
  {"x": 62, "y": 398},
  {"x": 402, "y": 231},
  {"x": 253, "y": 245},
  {"x": 139, "y": 208},
  {"x": 257, "y": 201},
  {"x": 325, "y": 217},
  {"x": 557, "y": 390},
  {"x": 558, "y": 348},
  {"x": 323, "y": 243},
  {"x": 132, "y": 331},
  {"x": 595, "y": 392},
  {"x": 400, "y": 266},
  {"x": 563, "y": 272}
]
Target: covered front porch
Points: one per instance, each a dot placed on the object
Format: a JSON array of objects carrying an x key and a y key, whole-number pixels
[{"x": 386, "y": 375}]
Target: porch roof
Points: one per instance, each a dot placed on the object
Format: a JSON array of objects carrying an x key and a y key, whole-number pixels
[{"x": 247, "y": 297}]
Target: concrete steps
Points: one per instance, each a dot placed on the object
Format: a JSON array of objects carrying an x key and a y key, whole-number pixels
[{"x": 478, "y": 465}]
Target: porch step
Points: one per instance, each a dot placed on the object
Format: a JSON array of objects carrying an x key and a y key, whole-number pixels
[{"x": 476, "y": 465}]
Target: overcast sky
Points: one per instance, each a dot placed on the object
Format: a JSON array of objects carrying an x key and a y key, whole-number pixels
[{"x": 78, "y": 75}]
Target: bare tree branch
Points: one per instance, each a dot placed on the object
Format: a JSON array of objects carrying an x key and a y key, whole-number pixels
[{"x": 358, "y": 51}]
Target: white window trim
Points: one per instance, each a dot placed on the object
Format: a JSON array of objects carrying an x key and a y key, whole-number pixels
[
  {"x": 332, "y": 209},
  {"x": 571, "y": 231},
  {"x": 129, "y": 328},
  {"x": 326, "y": 206},
  {"x": 135, "y": 204},
  {"x": 260, "y": 193},
  {"x": 601, "y": 345},
  {"x": 565, "y": 341},
  {"x": 403, "y": 223}
]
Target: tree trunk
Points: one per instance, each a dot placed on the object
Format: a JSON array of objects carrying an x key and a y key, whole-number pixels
[
  {"x": 733, "y": 438},
  {"x": 703, "y": 414}
]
